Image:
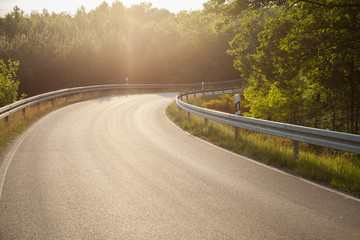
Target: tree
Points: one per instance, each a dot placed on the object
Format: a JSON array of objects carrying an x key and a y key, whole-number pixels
[
  {"x": 314, "y": 43},
  {"x": 111, "y": 42},
  {"x": 8, "y": 83}
]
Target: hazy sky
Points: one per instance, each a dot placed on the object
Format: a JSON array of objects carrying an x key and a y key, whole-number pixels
[{"x": 72, "y": 5}]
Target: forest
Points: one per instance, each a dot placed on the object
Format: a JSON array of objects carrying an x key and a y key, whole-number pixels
[
  {"x": 110, "y": 43},
  {"x": 300, "y": 58}
]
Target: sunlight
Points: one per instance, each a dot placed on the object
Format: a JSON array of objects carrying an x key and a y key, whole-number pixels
[{"x": 71, "y": 6}]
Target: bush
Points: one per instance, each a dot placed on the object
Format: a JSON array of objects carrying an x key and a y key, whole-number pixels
[
  {"x": 8, "y": 83},
  {"x": 226, "y": 103}
]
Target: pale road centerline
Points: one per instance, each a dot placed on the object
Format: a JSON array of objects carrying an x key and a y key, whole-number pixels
[{"x": 117, "y": 168}]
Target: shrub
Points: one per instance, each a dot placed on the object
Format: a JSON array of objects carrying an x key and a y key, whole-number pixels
[
  {"x": 8, "y": 83},
  {"x": 224, "y": 104}
]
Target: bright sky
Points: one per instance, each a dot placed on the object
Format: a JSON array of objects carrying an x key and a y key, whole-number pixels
[{"x": 72, "y": 5}]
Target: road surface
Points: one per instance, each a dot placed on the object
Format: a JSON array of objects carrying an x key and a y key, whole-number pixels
[{"x": 117, "y": 168}]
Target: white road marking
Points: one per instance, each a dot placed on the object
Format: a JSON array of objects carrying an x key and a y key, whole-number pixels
[
  {"x": 10, "y": 155},
  {"x": 347, "y": 196}
]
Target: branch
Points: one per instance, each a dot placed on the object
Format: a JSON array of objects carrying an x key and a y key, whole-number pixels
[{"x": 343, "y": 5}]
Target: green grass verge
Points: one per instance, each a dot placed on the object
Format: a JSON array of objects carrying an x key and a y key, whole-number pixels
[{"x": 340, "y": 171}]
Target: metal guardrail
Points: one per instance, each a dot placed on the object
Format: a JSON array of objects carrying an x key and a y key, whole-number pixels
[
  {"x": 325, "y": 138},
  {"x": 23, "y": 104}
]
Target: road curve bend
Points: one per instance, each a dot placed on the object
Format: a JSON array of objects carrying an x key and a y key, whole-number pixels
[{"x": 117, "y": 168}]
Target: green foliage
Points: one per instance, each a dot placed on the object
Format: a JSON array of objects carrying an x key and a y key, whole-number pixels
[
  {"x": 111, "y": 42},
  {"x": 222, "y": 103},
  {"x": 225, "y": 104},
  {"x": 8, "y": 83},
  {"x": 269, "y": 101},
  {"x": 302, "y": 59}
]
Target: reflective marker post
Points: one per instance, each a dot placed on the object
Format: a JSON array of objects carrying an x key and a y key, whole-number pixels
[
  {"x": 237, "y": 112},
  {"x": 237, "y": 104}
]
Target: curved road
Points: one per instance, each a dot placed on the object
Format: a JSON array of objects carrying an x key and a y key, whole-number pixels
[{"x": 117, "y": 168}]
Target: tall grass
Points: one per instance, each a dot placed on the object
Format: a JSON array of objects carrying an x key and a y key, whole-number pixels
[{"x": 339, "y": 170}]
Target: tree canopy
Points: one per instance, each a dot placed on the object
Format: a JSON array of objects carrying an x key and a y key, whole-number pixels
[
  {"x": 111, "y": 42},
  {"x": 301, "y": 58},
  {"x": 8, "y": 83}
]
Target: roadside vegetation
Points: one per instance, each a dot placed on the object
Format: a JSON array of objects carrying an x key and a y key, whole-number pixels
[
  {"x": 338, "y": 169},
  {"x": 112, "y": 42},
  {"x": 8, "y": 83},
  {"x": 300, "y": 59}
]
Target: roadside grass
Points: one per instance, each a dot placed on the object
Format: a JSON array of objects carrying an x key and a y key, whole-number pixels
[{"x": 339, "y": 170}]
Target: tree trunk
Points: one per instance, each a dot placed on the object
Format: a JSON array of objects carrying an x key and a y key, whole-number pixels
[
  {"x": 333, "y": 119},
  {"x": 356, "y": 119},
  {"x": 352, "y": 95}
]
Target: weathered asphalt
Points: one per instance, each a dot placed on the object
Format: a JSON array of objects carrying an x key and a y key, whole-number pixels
[{"x": 117, "y": 168}]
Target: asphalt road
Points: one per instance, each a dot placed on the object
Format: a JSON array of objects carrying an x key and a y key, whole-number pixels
[{"x": 117, "y": 168}]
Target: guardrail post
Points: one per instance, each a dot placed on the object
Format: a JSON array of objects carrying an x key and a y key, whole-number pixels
[
  {"x": 6, "y": 119},
  {"x": 187, "y": 97},
  {"x": 206, "y": 121},
  {"x": 236, "y": 133},
  {"x": 194, "y": 94},
  {"x": 295, "y": 149},
  {"x": 327, "y": 149},
  {"x": 189, "y": 116},
  {"x": 23, "y": 112}
]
